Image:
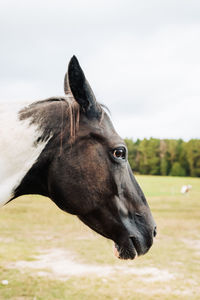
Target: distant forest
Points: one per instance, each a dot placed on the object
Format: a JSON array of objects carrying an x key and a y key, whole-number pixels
[{"x": 165, "y": 157}]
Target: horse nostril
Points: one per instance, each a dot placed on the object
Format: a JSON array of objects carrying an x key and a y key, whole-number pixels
[{"x": 155, "y": 231}]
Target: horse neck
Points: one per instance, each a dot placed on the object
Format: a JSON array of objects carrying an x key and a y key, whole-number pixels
[{"x": 18, "y": 150}]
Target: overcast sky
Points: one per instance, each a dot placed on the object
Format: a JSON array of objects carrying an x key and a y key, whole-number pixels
[{"x": 142, "y": 58}]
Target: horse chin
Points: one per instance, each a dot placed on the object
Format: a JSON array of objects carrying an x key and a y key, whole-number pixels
[
  {"x": 125, "y": 252},
  {"x": 131, "y": 250}
]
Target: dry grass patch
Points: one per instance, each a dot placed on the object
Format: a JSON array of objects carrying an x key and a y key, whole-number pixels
[{"x": 37, "y": 233}]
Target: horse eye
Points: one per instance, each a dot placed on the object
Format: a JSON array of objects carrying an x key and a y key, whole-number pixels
[{"x": 119, "y": 153}]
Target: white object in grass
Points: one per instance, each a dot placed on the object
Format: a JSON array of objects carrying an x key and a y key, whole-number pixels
[{"x": 185, "y": 189}]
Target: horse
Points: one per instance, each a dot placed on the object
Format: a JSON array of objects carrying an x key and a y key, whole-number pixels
[{"x": 67, "y": 149}]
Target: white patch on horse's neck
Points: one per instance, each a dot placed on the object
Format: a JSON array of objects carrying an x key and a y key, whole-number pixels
[{"x": 17, "y": 150}]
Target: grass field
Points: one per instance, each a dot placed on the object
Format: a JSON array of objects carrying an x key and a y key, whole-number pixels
[{"x": 46, "y": 254}]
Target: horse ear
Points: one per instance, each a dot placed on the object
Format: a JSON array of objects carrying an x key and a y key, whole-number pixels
[
  {"x": 66, "y": 84},
  {"x": 81, "y": 90}
]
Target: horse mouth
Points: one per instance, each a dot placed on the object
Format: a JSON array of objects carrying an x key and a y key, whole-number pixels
[{"x": 133, "y": 249}]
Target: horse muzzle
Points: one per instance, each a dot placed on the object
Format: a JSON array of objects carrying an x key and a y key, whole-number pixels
[
  {"x": 132, "y": 247},
  {"x": 137, "y": 240}
]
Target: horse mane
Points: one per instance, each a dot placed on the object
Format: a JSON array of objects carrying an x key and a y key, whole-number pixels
[{"x": 54, "y": 116}]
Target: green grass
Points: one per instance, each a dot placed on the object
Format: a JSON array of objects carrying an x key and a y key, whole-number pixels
[{"x": 30, "y": 224}]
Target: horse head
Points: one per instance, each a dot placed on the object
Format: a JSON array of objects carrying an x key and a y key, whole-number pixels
[{"x": 91, "y": 177}]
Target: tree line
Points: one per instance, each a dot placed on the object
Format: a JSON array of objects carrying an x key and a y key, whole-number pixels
[{"x": 165, "y": 157}]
